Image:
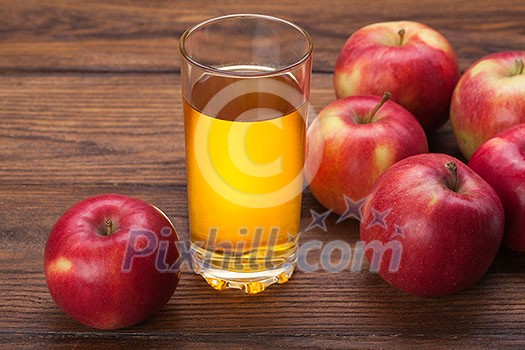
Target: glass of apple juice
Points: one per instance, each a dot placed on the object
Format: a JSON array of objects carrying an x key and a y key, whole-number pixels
[{"x": 245, "y": 86}]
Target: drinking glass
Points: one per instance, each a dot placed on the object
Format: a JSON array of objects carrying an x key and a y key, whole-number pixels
[{"x": 245, "y": 86}]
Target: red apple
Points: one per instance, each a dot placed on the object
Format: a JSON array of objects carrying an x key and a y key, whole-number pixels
[
  {"x": 411, "y": 60},
  {"x": 447, "y": 220},
  {"x": 489, "y": 98},
  {"x": 111, "y": 261},
  {"x": 352, "y": 142},
  {"x": 501, "y": 162}
]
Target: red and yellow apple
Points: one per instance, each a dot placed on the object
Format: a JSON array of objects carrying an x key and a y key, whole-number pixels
[
  {"x": 501, "y": 162},
  {"x": 489, "y": 98},
  {"x": 111, "y": 261},
  {"x": 446, "y": 220},
  {"x": 409, "y": 59},
  {"x": 352, "y": 142}
]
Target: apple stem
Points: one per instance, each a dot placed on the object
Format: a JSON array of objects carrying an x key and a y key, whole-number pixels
[
  {"x": 453, "y": 169},
  {"x": 519, "y": 66},
  {"x": 386, "y": 97},
  {"x": 401, "y": 34},
  {"x": 109, "y": 227}
]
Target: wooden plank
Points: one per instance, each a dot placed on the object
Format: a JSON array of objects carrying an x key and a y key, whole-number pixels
[
  {"x": 44, "y": 204},
  {"x": 53, "y": 35},
  {"x": 312, "y": 310},
  {"x": 242, "y": 341},
  {"x": 107, "y": 129}
]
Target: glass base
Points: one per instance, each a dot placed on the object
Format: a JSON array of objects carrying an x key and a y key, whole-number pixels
[{"x": 249, "y": 282}]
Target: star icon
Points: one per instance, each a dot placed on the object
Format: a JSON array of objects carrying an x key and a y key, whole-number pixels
[
  {"x": 398, "y": 232},
  {"x": 318, "y": 220},
  {"x": 353, "y": 209},
  {"x": 293, "y": 238},
  {"x": 379, "y": 218}
]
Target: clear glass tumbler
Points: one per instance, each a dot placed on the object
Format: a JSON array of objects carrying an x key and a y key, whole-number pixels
[{"x": 245, "y": 86}]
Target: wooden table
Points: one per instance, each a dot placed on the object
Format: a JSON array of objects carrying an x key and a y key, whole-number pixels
[{"x": 90, "y": 103}]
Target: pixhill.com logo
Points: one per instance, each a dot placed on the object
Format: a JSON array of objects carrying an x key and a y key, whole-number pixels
[{"x": 312, "y": 255}]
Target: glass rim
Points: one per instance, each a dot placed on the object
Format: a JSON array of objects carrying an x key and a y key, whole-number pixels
[{"x": 278, "y": 71}]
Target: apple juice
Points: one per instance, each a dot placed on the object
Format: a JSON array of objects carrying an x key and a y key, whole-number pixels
[{"x": 245, "y": 147}]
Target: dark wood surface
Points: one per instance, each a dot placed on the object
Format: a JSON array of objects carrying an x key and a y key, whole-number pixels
[{"x": 90, "y": 103}]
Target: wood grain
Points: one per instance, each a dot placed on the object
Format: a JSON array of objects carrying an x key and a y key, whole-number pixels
[
  {"x": 142, "y": 36},
  {"x": 90, "y": 103},
  {"x": 111, "y": 129},
  {"x": 313, "y": 310}
]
